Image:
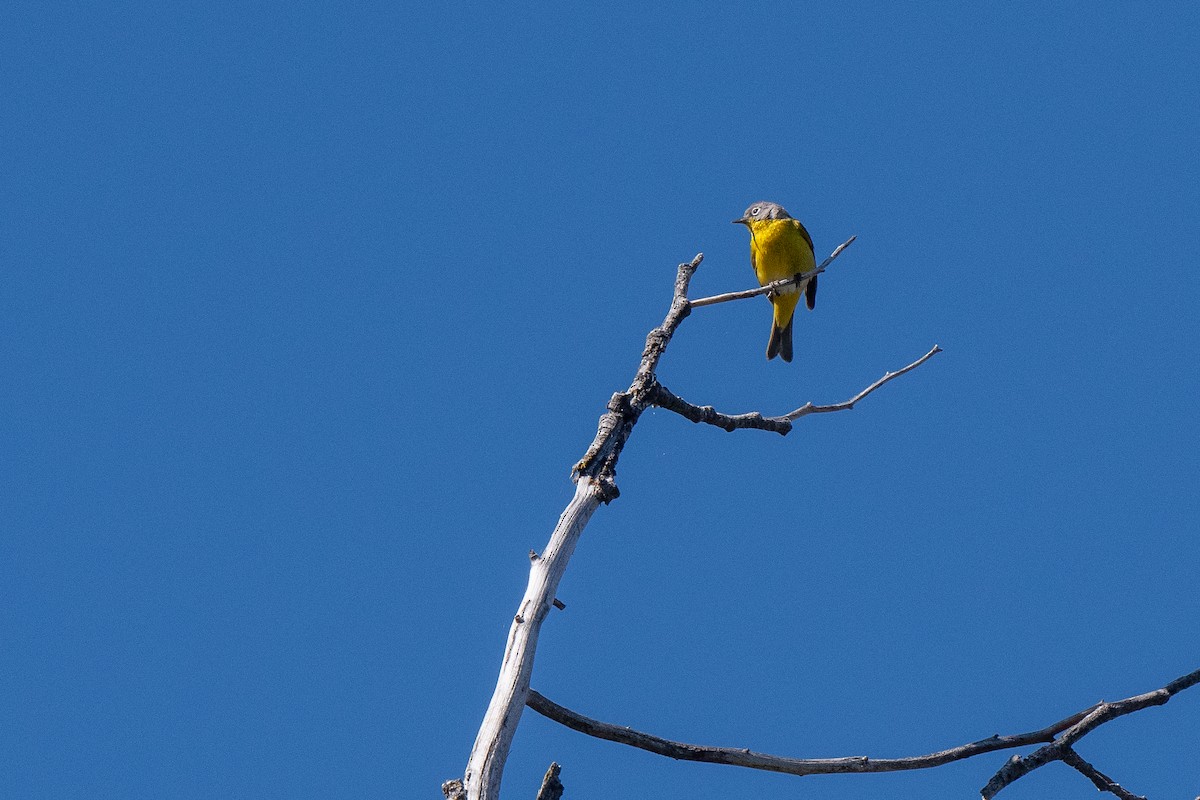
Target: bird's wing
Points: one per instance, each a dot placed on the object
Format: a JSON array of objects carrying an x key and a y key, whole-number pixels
[{"x": 804, "y": 233}]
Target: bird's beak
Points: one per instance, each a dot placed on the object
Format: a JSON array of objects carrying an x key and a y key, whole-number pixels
[{"x": 741, "y": 221}]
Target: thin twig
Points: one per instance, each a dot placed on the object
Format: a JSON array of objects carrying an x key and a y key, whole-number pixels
[
  {"x": 741, "y": 757},
  {"x": 774, "y": 286},
  {"x": 664, "y": 398},
  {"x": 809, "y": 408}
]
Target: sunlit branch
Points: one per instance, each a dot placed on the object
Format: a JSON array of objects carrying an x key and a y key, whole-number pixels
[
  {"x": 809, "y": 408},
  {"x": 595, "y": 479},
  {"x": 668, "y": 400},
  {"x": 774, "y": 286}
]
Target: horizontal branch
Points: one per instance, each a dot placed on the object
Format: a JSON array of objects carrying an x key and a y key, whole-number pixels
[
  {"x": 741, "y": 757},
  {"x": 773, "y": 286},
  {"x": 664, "y": 398},
  {"x": 1071, "y": 729}
]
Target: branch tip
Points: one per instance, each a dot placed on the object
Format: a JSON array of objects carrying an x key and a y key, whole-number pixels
[
  {"x": 809, "y": 408},
  {"x": 552, "y": 788}
]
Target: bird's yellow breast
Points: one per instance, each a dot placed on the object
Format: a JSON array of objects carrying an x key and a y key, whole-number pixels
[{"x": 779, "y": 249}]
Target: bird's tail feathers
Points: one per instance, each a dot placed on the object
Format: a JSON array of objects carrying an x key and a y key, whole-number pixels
[{"x": 780, "y": 343}]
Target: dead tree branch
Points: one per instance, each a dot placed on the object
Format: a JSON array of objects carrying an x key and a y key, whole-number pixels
[
  {"x": 1060, "y": 736},
  {"x": 664, "y": 398},
  {"x": 1018, "y": 767},
  {"x": 774, "y": 286},
  {"x": 809, "y": 408},
  {"x": 552, "y": 788},
  {"x": 595, "y": 483},
  {"x": 600, "y": 461},
  {"x": 486, "y": 764},
  {"x": 1098, "y": 778},
  {"x": 742, "y": 757}
]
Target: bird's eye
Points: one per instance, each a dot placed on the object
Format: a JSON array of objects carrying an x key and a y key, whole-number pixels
[{"x": 754, "y": 211}]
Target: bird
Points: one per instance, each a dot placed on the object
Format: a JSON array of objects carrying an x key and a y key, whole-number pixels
[{"x": 780, "y": 248}]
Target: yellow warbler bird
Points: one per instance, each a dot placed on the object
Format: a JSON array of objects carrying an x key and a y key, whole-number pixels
[{"x": 780, "y": 248}]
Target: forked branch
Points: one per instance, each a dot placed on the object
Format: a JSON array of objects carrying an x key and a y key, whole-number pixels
[
  {"x": 1060, "y": 736},
  {"x": 664, "y": 398},
  {"x": 1062, "y": 748},
  {"x": 595, "y": 483}
]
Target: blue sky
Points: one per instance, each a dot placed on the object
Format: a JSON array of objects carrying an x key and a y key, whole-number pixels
[{"x": 309, "y": 308}]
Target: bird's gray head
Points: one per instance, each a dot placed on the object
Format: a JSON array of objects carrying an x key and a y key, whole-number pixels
[{"x": 757, "y": 212}]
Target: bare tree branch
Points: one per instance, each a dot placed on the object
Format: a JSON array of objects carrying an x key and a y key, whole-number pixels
[
  {"x": 595, "y": 479},
  {"x": 742, "y": 757},
  {"x": 624, "y": 408},
  {"x": 809, "y": 408},
  {"x": 1098, "y": 778},
  {"x": 552, "y": 788},
  {"x": 485, "y": 766},
  {"x": 453, "y": 789},
  {"x": 774, "y": 286},
  {"x": 1018, "y": 767},
  {"x": 595, "y": 482},
  {"x": 664, "y": 398},
  {"x": 1071, "y": 729}
]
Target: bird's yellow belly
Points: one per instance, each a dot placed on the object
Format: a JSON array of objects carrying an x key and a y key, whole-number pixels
[{"x": 779, "y": 252}]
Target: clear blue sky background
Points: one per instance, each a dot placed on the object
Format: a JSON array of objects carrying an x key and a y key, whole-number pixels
[{"x": 308, "y": 309}]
